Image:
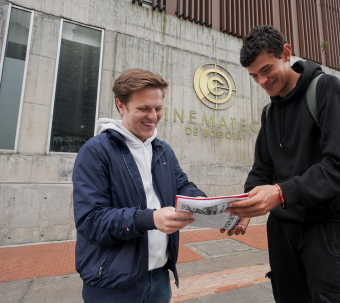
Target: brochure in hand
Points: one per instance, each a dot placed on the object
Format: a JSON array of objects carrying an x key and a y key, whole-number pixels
[{"x": 210, "y": 212}]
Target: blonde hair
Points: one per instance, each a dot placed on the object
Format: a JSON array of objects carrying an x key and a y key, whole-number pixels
[{"x": 136, "y": 79}]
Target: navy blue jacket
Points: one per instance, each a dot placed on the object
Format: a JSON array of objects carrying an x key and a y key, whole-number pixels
[{"x": 112, "y": 219}]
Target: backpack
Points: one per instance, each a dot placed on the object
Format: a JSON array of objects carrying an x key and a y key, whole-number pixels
[{"x": 310, "y": 100}]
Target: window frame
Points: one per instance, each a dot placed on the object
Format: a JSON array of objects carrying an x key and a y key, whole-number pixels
[
  {"x": 48, "y": 145},
  {"x": 2, "y": 61}
]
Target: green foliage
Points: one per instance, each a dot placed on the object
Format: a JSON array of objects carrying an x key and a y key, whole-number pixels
[{"x": 324, "y": 45}]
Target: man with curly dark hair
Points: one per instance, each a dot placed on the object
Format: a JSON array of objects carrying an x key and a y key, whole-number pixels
[{"x": 296, "y": 170}]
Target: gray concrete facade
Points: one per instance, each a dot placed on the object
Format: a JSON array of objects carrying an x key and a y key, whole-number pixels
[{"x": 36, "y": 186}]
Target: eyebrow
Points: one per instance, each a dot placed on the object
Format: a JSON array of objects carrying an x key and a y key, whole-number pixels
[
  {"x": 147, "y": 106},
  {"x": 262, "y": 68}
]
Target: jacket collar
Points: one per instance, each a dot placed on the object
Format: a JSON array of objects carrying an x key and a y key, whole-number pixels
[{"x": 158, "y": 148}]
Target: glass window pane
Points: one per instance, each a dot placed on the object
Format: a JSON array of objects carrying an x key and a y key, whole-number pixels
[
  {"x": 12, "y": 76},
  {"x": 76, "y": 88}
]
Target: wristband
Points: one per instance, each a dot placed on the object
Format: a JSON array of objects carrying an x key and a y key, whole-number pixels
[{"x": 281, "y": 195}]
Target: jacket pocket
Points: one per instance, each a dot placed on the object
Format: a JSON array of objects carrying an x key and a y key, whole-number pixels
[
  {"x": 105, "y": 264},
  {"x": 270, "y": 275}
]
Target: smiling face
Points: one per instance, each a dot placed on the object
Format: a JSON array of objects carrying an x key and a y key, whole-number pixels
[
  {"x": 274, "y": 75},
  {"x": 142, "y": 112}
]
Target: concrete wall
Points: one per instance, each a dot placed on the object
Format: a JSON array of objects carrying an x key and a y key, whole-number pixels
[{"x": 36, "y": 188}]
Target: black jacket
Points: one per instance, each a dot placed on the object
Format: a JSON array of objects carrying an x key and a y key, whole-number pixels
[{"x": 294, "y": 152}]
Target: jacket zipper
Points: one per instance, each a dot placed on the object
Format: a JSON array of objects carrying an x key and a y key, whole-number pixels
[
  {"x": 175, "y": 274},
  {"x": 127, "y": 167},
  {"x": 172, "y": 248},
  {"x": 155, "y": 186},
  {"x": 102, "y": 265}
]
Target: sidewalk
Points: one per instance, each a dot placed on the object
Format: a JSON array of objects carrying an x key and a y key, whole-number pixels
[{"x": 212, "y": 268}]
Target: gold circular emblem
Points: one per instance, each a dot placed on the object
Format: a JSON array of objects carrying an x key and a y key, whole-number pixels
[{"x": 215, "y": 86}]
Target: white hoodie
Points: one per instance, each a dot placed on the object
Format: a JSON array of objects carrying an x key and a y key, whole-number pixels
[{"x": 142, "y": 153}]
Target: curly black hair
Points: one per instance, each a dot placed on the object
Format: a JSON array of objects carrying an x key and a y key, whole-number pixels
[{"x": 261, "y": 39}]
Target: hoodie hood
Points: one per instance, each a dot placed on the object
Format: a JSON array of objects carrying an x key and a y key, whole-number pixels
[
  {"x": 307, "y": 70},
  {"x": 105, "y": 124}
]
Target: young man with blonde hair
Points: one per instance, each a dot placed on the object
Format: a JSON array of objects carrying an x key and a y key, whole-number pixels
[{"x": 125, "y": 183}]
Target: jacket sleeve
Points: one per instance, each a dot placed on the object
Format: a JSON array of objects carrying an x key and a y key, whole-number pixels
[
  {"x": 95, "y": 217},
  {"x": 184, "y": 187},
  {"x": 322, "y": 180},
  {"x": 262, "y": 172}
]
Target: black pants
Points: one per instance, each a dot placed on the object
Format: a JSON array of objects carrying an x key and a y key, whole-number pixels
[{"x": 304, "y": 260}]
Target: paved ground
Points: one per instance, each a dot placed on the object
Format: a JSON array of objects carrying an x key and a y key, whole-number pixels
[{"x": 212, "y": 268}]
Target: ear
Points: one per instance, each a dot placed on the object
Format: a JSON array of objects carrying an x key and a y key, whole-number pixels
[
  {"x": 287, "y": 52},
  {"x": 120, "y": 107}
]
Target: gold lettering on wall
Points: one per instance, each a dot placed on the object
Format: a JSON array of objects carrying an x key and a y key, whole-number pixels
[
  {"x": 180, "y": 117},
  {"x": 211, "y": 120},
  {"x": 243, "y": 124},
  {"x": 176, "y": 113},
  {"x": 214, "y": 134},
  {"x": 223, "y": 123},
  {"x": 252, "y": 126},
  {"x": 192, "y": 116}
]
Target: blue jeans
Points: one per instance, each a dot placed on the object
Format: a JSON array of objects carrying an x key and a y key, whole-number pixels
[{"x": 157, "y": 286}]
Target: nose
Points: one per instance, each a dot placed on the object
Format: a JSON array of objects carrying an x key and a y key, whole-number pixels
[
  {"x": 153, "y": 115},
  {"x": 262, "y": 80}
]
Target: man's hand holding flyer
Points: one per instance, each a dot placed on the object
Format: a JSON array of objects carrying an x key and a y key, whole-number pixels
[{"x": 210, "y": 212}]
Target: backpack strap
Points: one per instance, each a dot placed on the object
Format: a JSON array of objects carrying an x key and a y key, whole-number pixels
[{"x": 311, "y": 99}]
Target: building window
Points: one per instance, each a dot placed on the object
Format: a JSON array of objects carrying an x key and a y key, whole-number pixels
[
  {"x": 12, "y": 80},
  {"x": 77, "y": 87},
  {"x": 149, "y": 2}
]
